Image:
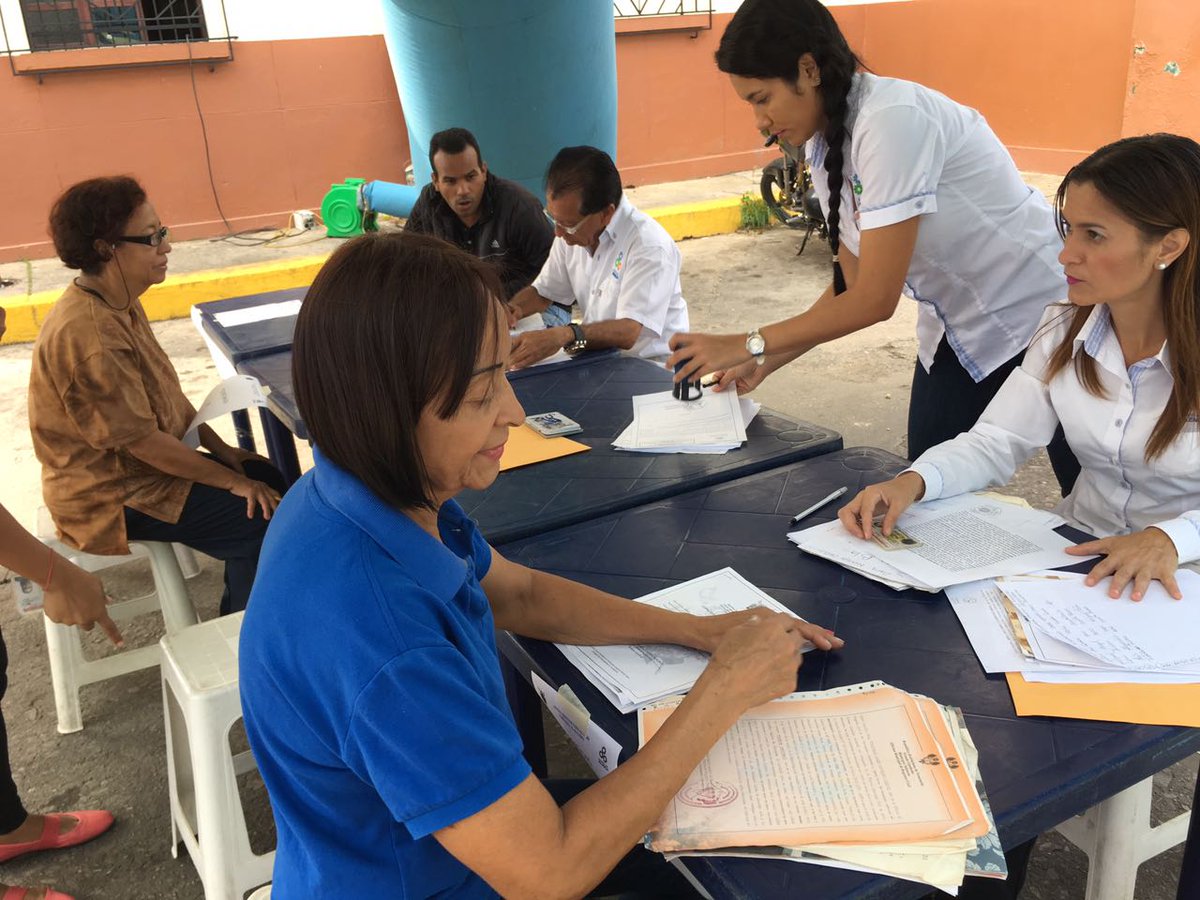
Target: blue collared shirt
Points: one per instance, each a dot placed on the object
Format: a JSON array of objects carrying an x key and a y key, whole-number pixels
[{"x": 372, "y": 692}]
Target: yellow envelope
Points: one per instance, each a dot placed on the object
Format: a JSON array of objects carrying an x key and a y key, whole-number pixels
[
  {"x": 1138, "y": 704},
  {"x": 525, "y": 447}
]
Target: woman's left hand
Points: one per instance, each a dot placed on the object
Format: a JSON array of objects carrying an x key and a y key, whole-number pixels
[
  {"x": 1140, "y": 558},
  {"x": 704, "y": 353},
  {"x": 236, "y": 458}
]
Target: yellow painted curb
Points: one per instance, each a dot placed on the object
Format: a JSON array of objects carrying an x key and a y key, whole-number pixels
[
  {"x": 175, "y": 298},
  {"x": 693, "y": 220}
]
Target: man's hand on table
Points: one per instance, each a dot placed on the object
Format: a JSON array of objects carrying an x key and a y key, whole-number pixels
[{"x": 534, "y": 346}]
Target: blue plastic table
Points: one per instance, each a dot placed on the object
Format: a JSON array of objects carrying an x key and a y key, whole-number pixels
[
  {"x": 1037, "y": 771},
  {"x": 238, "y": 343},
  {"x": 596, "y": 391},
  {"x": 242, "y": 342}
]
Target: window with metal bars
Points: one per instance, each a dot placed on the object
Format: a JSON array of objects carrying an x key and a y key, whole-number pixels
[{"x": 70, "y": 24}]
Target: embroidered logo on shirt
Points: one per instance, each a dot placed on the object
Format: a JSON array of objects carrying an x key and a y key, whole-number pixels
[
  {"x": 495, "y": 244},
  {"x": 856, "y": 185},
  {"x": 616, "y": 272}
]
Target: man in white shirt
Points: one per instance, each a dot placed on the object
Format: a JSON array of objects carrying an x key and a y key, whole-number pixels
[{"x": 617, "y": 263}]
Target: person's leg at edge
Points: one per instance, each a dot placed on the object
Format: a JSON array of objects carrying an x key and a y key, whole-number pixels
[
  {"x": 641, "y": 873},
  {"x": 16, "y": 825},
  {"x": 214, "y": 522}
]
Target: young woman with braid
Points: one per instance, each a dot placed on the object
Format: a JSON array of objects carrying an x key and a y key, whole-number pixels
[{"x": 920, "y": 196}]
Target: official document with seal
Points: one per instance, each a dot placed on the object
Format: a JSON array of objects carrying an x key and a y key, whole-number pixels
[{"x": 876, "y": 765}]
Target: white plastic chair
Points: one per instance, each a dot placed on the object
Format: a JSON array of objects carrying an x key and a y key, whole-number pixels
[
  {"x": 1117, "y": 837},
  {"x": 69, "y": 669},
  {"x": 263, "y": 893},
  {"x": 201, "y": 705}
]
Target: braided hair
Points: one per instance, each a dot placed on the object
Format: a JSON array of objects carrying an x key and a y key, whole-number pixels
[{"x": 766, "y": 39}]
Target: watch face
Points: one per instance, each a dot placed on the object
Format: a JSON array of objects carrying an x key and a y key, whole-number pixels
[{"x": 755, "y": 344}]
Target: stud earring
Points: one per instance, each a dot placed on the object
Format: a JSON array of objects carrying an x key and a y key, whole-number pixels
[{"x": 1160, "y": 266}]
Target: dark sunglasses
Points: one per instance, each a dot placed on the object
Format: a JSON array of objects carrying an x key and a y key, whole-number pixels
[{"x": 149, "y": 240}]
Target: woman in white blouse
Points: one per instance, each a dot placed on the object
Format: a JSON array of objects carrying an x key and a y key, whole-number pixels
[
  {"x": 920, "y": 197},
  {"x": 1118, "y": 367}
]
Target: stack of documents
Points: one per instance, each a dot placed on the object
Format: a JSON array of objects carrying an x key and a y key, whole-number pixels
[
  {"x": 633, "y": 675},
  {"x": 1053, "y": 628},
  {"x": 945, "y": 542},
  {"x": 866, "y": 777},
  {"x": 714, "y": 423}
]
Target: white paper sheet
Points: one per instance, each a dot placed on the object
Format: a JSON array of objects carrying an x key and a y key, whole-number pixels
[
  {"x": 631, "y": 676},
  {"x": 238, "y": 392},
  {"x": 980, "y": 608},
  {"x": 750, "y": 410},
  {"x": 262, "y": 313},
  {"x": 662, "y": 424},
  {"x": 1156, "y": 634},
  {"x": 960, "y": 539}
]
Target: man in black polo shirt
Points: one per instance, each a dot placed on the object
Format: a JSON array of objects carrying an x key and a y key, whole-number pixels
[{"x": 491, "y": 217}]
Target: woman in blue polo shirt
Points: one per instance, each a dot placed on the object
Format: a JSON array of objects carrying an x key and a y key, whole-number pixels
[{"x": 369, "y": 674}]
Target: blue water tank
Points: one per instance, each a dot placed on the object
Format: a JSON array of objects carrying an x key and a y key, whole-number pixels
[{"x": 527, "y": 77}]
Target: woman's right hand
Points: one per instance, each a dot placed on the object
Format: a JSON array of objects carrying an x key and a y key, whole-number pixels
[
  {"x": 257, "y": 496},
  {"x": 757, "y": 661},
  {"x": 745, "y": 377},
  {"x": 891, "y": 498}
]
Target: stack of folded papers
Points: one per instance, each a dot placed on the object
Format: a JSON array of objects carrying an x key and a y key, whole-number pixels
[
  {"x": 945, "y": 542},
  {"x": 865, "y": 777},
  {"x": 631, "y": 676},
  {"x": 1053, "y": 628},
  {"x": 713, "y": 423}
]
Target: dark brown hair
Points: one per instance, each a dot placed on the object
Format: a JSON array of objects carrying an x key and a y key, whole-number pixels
[
  {"x": 588, "y": 170},
  {"x": 94, "y": 210},
  {"x": 765, "y": 39},
  {"x": 1154, "y": 182},
  {"x": 393, "y": 324}
]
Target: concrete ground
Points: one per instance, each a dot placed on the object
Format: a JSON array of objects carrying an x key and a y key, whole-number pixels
[{"x": 858, "y": 385}]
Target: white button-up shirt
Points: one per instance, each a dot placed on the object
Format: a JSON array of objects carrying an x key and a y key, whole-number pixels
[
  {"x": 985, "y": 263},
  {"x": 1118, "y": 490},
  {"x": 634, "y": 274}
]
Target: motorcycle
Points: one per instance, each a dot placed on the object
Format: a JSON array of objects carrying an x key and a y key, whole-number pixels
[{"x": 787, "y": 190}]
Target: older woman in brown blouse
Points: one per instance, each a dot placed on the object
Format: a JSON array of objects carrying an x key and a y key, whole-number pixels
[{"x": 108, "y": 413}]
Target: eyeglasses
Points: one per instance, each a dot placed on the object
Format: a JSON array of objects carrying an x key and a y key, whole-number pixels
[
  {"x": 565, "y": 229},
  {"x": 149, "y": 240}
]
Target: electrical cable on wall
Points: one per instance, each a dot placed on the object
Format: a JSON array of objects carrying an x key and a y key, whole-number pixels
[{"x": 240, "y": 238}]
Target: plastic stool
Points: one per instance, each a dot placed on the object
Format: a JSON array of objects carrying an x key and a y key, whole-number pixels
[
  {"x": 1117, "y": 838},
  {"x": 201, "y": 705},
  {"x": 69, "y": 670}
]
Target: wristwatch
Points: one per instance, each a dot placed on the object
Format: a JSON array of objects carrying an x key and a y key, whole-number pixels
[
  {"x": 756, "y": 346},
  {"x": 578, "y": 343}
]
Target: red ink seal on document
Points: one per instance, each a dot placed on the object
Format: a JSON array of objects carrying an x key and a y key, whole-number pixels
[{"x": 708, "y": 796}]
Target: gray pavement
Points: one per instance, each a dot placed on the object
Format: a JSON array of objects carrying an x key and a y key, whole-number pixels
[{"x": 858, "y": 385}]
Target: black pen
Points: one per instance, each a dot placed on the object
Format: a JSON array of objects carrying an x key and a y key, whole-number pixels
[{"x": 812, "y": 509}]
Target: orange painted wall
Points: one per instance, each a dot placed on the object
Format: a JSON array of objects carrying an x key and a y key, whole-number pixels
[
  {"x": 1168, "y": 33},
  {"x": 1049, "y": 76},
  {"x": 285, "y": 119}
]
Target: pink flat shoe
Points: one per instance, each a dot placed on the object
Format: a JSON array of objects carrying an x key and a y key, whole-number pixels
[
  {"x": 19, "y": 893},
  {"x": 89, "y": 824}
]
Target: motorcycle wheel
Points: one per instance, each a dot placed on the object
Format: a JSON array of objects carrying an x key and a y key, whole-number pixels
[{"x": 776, "y": 193}]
